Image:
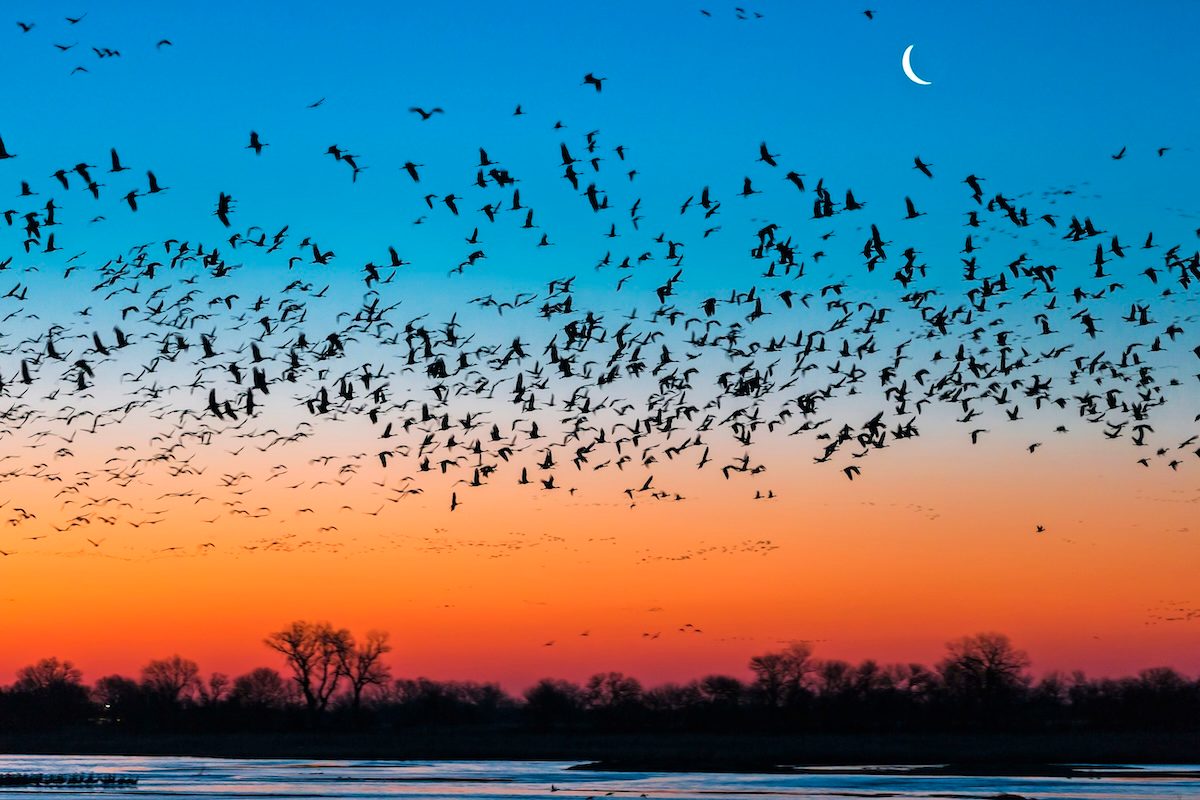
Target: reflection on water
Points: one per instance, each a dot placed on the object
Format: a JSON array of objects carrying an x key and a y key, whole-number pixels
[{"x": 210, "y": 778}]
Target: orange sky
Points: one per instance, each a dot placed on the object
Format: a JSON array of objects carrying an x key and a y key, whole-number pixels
[{"x": 925, "y": 546}]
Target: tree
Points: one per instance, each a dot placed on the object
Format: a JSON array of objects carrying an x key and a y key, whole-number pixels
[
  {"x": 673, "y": 700},
  {"x": 362, "y": 665},
  {"x": 915, "y": 681},
  {"x": 215, "y": 690},
  {"x": 262, "y": 688},
  {"x": 119, "y": 697},
  {"x": 46, "y": 694},
  {"x": 780, "y": 676},
  {"x": 984, "y": 669},
  {"x": 721, "y": 690},
  {"x": 612, "y": 690},
  {"x": 551, "y": 701},
  {"x": 173, "y": 679},
  {"x": 49, "y": 673},
  {"x": 314, "y": 652},
  {"x": 836, "y": 677},
  {"x": 486, "y": 699}
]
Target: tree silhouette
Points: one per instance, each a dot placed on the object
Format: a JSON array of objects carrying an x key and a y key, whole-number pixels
[
  {"x": 721, "y": 691},
  {"x": 47, "y": 693},
  {"x": 262, "y": 688},
  {"x": 984, "y": 671},
  {"x": 551, "y": 701},
  {"x": 118, "y": 696},
  {"x": 314, "y": 651},
  {"x": 173, "y": 680},
  {"x": 48, "y": 673},
  {"x": 780, "y": 676},
  {"x": 982, "y": 683},
  {"x": 214, "y": 690},
  {"x": 611, "y": 691},
  {"x": 362, "y": 665}
]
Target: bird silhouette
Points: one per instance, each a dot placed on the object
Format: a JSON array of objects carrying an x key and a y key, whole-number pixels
[{"x": 425, "y": 115}]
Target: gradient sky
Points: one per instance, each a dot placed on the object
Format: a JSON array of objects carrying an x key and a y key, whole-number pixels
[{"x": 936, "y": 540}]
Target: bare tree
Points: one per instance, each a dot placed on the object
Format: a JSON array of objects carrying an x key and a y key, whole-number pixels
[
  {"x": 781, "y": 675},
  {"x": 215, "y": 690},
  {"x": 834, "y": 677},
  {"x": 175, "y": 679},
  {"x": 984, "y": 668},
  {"x": 53, "y": 694},
  {"x": 612, "y": 690},
  {"x": 672, "y": 698},
  {"x": 551, "y": 701},
  {"x": 264, "y": 688},
  {"x": 362, "y": 665},
  {"x": 47, "y": 674},
  {"x": 116, "y": 693},
  {"x": 721, "y": 690},
  {"x": 314, "y": 652}
]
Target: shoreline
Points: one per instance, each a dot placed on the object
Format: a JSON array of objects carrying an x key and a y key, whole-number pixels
[{"x": 1043, "y": 755}]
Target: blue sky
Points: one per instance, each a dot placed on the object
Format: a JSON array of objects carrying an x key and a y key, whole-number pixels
[
  {"x": 1027, "y": 94},
  {"x": 1031, "y": 96}
]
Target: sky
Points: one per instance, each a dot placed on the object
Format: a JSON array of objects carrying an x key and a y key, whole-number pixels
[{"x": 936, "y": 538}]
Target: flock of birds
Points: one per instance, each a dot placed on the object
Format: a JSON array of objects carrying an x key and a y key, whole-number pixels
[
  {"x": 73, "y": 49},
  {"x": 157, "y": 369}
]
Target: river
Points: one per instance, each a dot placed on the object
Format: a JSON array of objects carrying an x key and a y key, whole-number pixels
[{"x": 211, "y": 778}]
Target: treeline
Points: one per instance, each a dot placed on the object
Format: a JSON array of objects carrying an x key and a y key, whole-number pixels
[{"x": 333, "y": 681}]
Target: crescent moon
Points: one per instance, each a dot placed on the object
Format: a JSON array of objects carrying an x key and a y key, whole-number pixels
[{"x": 908, "y": 70}]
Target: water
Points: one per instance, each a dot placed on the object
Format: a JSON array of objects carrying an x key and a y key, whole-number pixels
[{"x": 212, "y": 778}]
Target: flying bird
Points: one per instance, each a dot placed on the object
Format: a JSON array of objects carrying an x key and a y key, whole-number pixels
[
  {"x": 256, "y": 144},
  {"x": 425, "y": 115}
]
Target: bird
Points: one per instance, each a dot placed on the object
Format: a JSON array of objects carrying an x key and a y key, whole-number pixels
[
  {"x": 912, "y": 212},
  {"x": 256, "y": 144},
  {"x": 591, "y": 80},
  {"x": 152, "y": 182},
  {"x": 116, "y": 161},
  {"x": 765, "y": 156},
  {"x": 425, "y": 115},
  {"x": 224, "y": 207}
]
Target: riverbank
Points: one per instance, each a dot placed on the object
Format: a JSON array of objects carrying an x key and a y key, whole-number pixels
[{"x": 987, "y": 753}]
